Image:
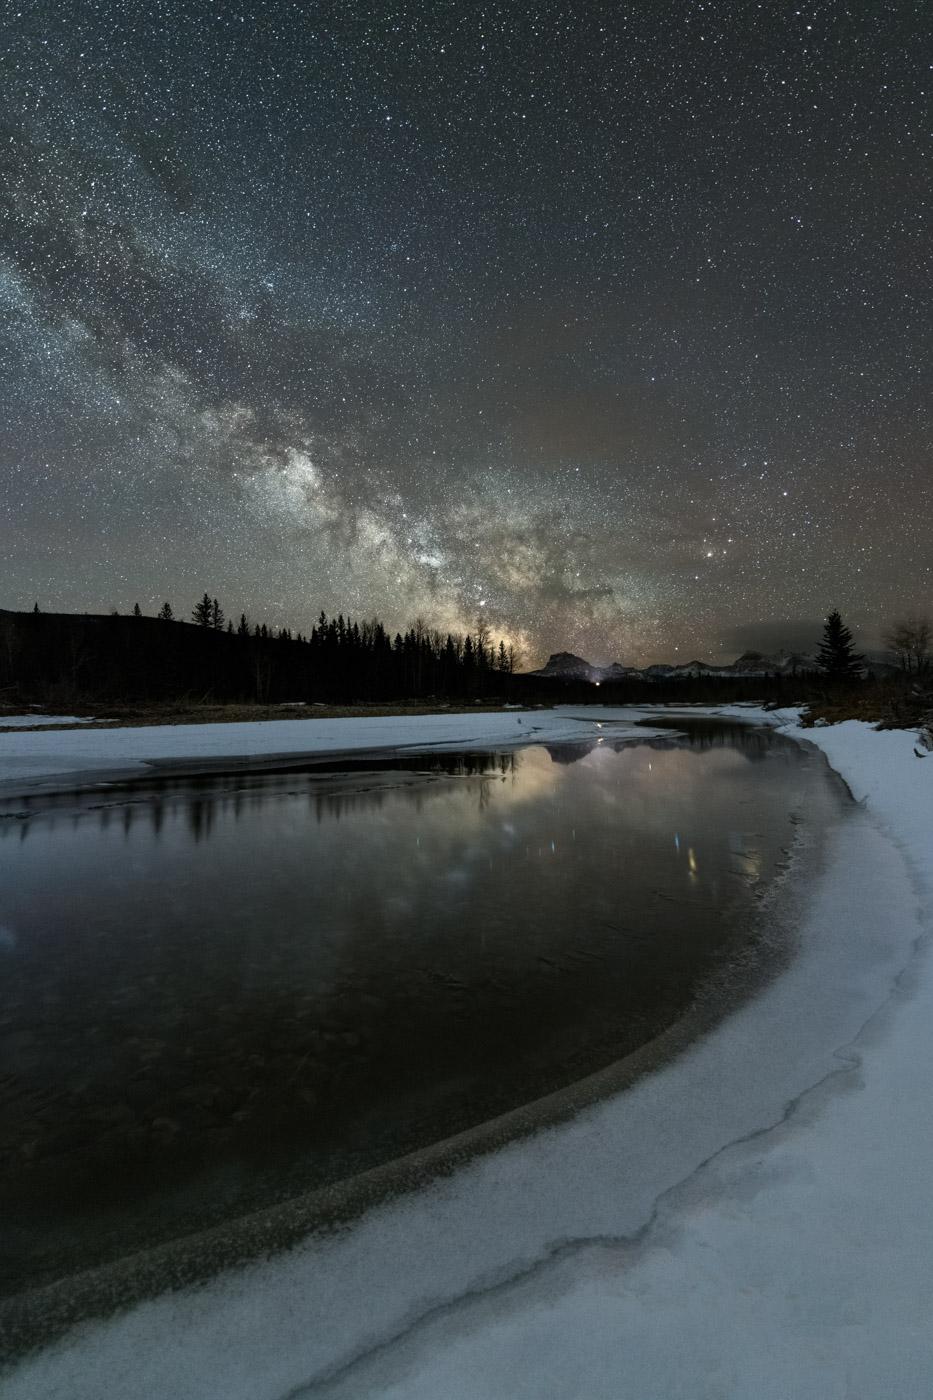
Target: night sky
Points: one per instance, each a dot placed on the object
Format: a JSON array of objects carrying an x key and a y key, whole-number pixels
[{"x": 611, "y": 322}]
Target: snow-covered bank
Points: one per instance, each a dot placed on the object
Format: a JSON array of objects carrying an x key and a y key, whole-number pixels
[
  {"x": 66, "y": 754},
  {"x": 752, "y": 1220},
  {"x": 36, "y": 721}
]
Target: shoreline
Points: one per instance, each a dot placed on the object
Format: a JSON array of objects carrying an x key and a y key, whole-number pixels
[
  {"x": 49, "y": 761},
  {"x": 529, "y": 1215},
  {"x": 36, "y": 1318}
]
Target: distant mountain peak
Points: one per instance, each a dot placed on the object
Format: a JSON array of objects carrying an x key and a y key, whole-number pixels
[
  {"x": 559, "y": 659},
  {"x": 567, "y": 666}
]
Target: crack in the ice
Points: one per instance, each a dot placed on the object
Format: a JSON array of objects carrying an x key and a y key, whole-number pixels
[{"x": 850, "y": 1061}]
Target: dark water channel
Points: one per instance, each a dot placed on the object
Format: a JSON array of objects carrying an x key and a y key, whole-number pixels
[{"x": 217, "y": 993}]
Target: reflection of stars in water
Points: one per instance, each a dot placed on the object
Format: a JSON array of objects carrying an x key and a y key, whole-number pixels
[{"x": 410, "y": 312}]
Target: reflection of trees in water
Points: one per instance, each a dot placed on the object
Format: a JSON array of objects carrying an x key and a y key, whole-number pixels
[
  {"x": 204, "y": 800},
  {"x": 201, "y": 814}
]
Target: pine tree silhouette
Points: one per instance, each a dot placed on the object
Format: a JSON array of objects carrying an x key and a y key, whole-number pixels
[
  {"x": 837, "y": 655},
  {"x": 203, "y": 612},
  {"x": 342, "y": 659}
]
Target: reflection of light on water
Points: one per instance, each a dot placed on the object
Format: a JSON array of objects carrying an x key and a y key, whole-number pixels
[
  {"x": 750, "y": 856},
  {"x": 692, "y": 862}
]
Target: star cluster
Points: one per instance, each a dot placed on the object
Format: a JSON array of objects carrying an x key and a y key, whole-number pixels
[{"x": 610, "y": 322}]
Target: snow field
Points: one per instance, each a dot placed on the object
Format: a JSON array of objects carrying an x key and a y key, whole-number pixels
[{"x": 48, "y": 754}]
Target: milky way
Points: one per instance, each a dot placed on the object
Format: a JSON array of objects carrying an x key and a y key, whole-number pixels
[{"x": 609, "y": 322}]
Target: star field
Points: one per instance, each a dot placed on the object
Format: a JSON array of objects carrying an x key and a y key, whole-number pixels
[{"x": 611, "y": 322}]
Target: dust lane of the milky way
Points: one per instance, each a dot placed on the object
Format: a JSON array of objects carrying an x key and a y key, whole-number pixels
[{"x": 611, "y": 322}]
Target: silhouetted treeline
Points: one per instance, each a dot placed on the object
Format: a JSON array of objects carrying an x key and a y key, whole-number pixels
[
  {"x": 87, "y": 659},
  {"x": 75, "y": 658}
]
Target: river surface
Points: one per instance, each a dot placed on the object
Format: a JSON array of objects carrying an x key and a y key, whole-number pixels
[{"x": 220, "y": 993}]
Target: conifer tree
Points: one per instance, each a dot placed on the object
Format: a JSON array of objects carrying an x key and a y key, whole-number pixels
[
  {"x": 217, "y": 616},
  {"x": 203, "y": 612},
  {"x": 165, "y": 613},
  {"x": 137, "y": 610},
  {"x": 484, "y": 651},
  {"x": 837, "y": 655}
]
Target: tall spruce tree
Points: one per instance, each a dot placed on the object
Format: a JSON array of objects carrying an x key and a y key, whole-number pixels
[
  {"x": 165, "y": 613},
  {"x": 837, "y": 655},
  {"x": 217, "y": 616},
  {"x": 203, "y": 612}
]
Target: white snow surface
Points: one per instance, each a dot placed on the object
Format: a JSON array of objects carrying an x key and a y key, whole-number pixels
[
  {"x": 51, "y": 753},
  {"x": 30, "y": 721},
  {"x": 752, "y": 1220}
]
